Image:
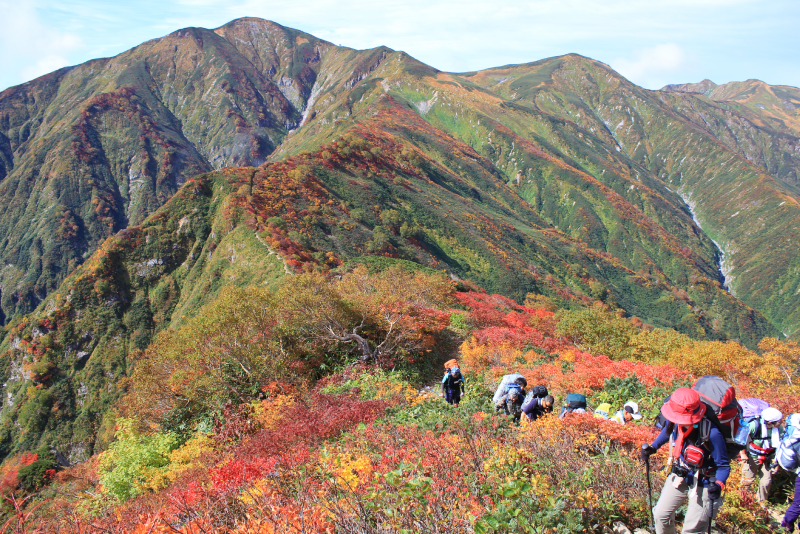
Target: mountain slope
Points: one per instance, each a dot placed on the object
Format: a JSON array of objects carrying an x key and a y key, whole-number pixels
[
  {"x": 371, "y": 191},
  {"x": 89, "y": 150},
  {"x": 682, "y": 141},
  {"x": 557, "y": 177}
]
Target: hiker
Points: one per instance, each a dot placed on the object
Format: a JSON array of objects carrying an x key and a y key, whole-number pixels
[
  {"x": 603, "y": 411},
  {"x": 793, "y": 512},
  {"x": 788, "y": 457},
  {"x": 700, "y": 464},
  {"x": 511, "y": 381},
  {"x": 759, "y": 457},
  {"x": 576, "y": 403},
  {"x": 628, "y": 413},
  {"x": 512, "y": 395},
  {"x": 452, "y": 383},
  {"x": 511, "y": 403},
  {"x": 537, "y": 407}
]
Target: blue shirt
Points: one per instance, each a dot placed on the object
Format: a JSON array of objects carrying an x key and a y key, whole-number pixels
[{"x": 718, "y": 459}]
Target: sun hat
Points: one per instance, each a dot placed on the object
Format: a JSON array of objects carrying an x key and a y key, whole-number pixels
[
  {"x": 771, "y": 415},
  {"x": 684, "y": 407},
  {"x": 632, "y": 408}
]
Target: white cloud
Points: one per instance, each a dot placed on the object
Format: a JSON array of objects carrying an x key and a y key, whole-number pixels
[
  {"x": 651, "y": 66},
  {"x": 42, "y": 67},
  {"x": 656, "y": 42},
  {"x": 30, "y": 47}
]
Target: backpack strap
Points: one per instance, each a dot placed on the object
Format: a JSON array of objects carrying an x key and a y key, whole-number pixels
[
  {"x": 670, "y": 429},
  {"x": 705, "y": 432}
]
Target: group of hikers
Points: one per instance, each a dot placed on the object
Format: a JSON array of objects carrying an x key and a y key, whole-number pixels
[{"x": 705, "y": 427}]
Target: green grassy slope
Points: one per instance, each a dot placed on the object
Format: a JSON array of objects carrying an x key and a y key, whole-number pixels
[{"x": 707, "y": 152}]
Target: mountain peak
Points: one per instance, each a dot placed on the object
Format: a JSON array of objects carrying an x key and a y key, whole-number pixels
[{"x": 705, "y": 87}]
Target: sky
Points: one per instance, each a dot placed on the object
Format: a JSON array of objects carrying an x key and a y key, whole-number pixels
[{"x": 651, "y": 42}]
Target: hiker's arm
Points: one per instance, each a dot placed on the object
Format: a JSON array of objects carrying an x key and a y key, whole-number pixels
[
  {"x": 662, "y": 438},
  {"x": 528, "y": 409},
  {"x": 720, "y": 455}
]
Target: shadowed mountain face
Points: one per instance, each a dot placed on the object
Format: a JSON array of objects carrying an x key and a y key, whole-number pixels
[
  {"x": 140, "y": 187},
  {"x": 89, "y": 150}
]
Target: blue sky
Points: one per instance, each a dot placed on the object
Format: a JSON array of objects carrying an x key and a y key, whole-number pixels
[{"x": 652, "y": 42}]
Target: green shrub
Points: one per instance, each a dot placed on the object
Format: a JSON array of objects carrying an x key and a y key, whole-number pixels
[
  {"x": 133, "y": 460},
  {"x": 33, "y": 476}
]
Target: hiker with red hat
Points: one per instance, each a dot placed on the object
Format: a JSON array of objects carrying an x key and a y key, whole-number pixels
[{"x": 700, "y": 464}]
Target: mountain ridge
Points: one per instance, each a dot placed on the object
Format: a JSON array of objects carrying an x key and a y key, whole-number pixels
[{"x": 141, "y": 186}]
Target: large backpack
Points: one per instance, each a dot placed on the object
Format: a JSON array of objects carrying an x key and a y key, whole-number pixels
[
  {"x": 513, "y": 388},
  {"x": 752, "y": 408},
  {"x": 502, "y": 389},
  {"x": 574, "y": 402},
  {"x": 788, "y": 454},
  {"x": 603, "y": 411},
  {"x": 723, "y": 409},
  {"x": 539, "y": 392}
]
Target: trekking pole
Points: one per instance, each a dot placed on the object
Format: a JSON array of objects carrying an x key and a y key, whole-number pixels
[
  {"x": 710, "y": 517},
  {"x": 710, "y": 514},
  {"x": 650, "y": 494}
]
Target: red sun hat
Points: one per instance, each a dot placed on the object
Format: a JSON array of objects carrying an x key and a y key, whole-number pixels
[{"x": 684, "y": 407}]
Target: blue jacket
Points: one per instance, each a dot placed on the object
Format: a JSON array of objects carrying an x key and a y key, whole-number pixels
[
  {"x": 718, "y": 459},
  {"x": 533, "y": 409}
]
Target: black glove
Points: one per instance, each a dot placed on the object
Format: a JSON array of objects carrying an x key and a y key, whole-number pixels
[
  {"x": 646, "y": 451},
  {"x": 714, "y": 491}
]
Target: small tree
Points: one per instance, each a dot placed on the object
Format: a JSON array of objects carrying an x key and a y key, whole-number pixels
[
  {"x": 379, "y": 314},
  {"x": 226, "y": 353}
]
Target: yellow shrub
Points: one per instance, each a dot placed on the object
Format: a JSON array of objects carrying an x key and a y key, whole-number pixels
[
  {"x": 268, "y": 413},
  {"x": 477, "y": 357},
  {"x": 352, "y": 470},
  {"x": 727, "y": 359},
  {"x": 184, "y": 457},
  {"x": 781, "y": 361}
]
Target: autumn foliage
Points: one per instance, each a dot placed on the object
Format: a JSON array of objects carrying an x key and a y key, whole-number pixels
[{"x": 238, "y": 434}]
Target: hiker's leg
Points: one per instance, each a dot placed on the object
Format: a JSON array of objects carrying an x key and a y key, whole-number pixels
[
  {"x": 764, "y": 483},
  {"x": 448, "y": 395},
  {"x": 671, "y": 499},
  {"x": 697, "y": 512},
  {"x": 456, "y": 396},
  {"x": 749, "y": 470},
  {"x": 793, "y": 512}
]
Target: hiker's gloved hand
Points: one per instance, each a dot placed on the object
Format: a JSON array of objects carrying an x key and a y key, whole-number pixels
[
  {"x": 646, "y": 452},
  {"x": 714, "y": 491}
]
